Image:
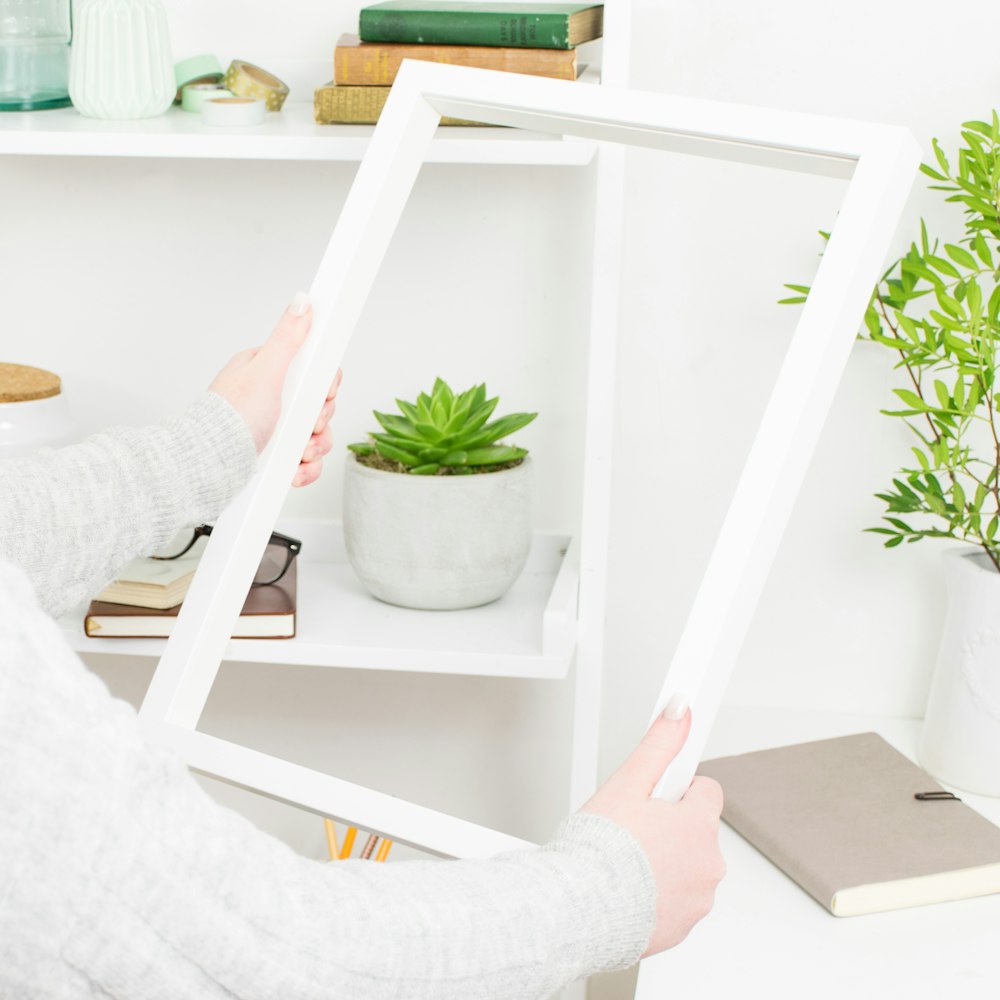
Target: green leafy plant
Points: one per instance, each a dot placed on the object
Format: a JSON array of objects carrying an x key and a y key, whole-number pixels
[
  {"x": 937, "y": 308},
  {"x": 444, "y": 434}
]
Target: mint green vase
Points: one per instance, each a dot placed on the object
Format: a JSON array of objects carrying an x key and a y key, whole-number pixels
[
  {"x": 121, "y": 67},
  {"x": 34, "y": 54}
]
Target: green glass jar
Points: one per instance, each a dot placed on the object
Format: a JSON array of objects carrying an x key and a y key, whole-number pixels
[{"x": 34, "y": 54}]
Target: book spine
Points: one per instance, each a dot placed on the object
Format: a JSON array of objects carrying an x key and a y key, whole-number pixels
[
  {"x": 349, "y": 105},
  {"x": 376, "y": 65},
  {"x": 465, "y": 27},
  {"x": 796, "y": 868},
  {"x": 128, "y": 627},
  {"x": 337, "y": 105}
]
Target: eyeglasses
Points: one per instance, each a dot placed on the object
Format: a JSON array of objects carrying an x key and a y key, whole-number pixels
[{"x": 278, "y": 555}]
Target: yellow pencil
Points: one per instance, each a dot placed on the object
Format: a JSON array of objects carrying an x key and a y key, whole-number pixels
[
  {"x": 383, "y": 850},
  {"x": 345, "y": 851},
  {"x": 331, "y": 839}
]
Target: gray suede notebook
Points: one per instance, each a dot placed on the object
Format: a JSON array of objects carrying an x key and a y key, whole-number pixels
[{"x": 839, "y": 817}]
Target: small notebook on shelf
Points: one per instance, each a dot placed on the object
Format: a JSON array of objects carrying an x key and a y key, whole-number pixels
[
  {"x": 152, "y": 583},
  {"x": 269, "y": 612},
  {"x": 840, "y": 818}
]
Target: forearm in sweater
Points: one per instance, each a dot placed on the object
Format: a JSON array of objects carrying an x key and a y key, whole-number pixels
[
  {"x": 123, "y": 879},
  {"x": 71, "y": 518}
]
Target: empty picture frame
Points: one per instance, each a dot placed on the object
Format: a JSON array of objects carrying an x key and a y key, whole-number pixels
[{"x": 880, "y": 162}]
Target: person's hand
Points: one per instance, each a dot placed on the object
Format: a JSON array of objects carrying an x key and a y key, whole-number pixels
[
  {"x": 681, "y": 839},
  {"x": 252, "y": 383}
]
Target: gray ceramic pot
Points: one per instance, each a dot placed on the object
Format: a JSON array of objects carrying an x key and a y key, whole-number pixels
[{"x": 437, "y": 542}]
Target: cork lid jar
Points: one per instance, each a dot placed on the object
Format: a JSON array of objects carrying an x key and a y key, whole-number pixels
[{"x": 33, "y": 411}]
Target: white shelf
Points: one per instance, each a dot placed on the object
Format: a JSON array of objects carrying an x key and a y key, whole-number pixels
[
  {"x": 290, "y": 134},
  {"x": 530, "y": 632}
]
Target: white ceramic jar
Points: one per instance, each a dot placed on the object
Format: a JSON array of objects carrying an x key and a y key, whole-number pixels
[
  {"x": 121, "y": 66},
  {"x": 960, "y": 739},
  {"x": 33, "y": 411}
]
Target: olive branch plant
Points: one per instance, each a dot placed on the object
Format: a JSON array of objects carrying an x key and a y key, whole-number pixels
[{"x": 938, "y": 308}]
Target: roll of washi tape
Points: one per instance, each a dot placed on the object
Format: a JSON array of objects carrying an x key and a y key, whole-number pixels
[
  {"x": 233, "y": 111},
  {"x": 195, "y": 95},
  {"x": 247, "y": 80},
  {"x": 197, "y": 69}
]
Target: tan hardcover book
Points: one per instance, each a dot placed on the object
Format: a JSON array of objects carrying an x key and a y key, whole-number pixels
[
  {"x": 839, "y": 817},
  {"x": 268, "y": 613},
  {"x": 337, "y": 105},
  {"x": 375, "y": 64}
]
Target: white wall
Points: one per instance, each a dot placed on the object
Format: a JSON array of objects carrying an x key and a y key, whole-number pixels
[
  {"x": 136, "y": 279},
  {"x": 843, "y": 624}
]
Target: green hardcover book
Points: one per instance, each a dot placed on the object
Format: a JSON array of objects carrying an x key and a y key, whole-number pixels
[{"x": 454, "y": 22}]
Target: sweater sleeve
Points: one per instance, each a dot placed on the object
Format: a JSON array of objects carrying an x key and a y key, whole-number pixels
[
  {"x": 72, "y": 517},
  {"x": 124, "y": 879}
]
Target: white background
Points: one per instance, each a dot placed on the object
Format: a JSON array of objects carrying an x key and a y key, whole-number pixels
[{"x": 135, "y": 280}]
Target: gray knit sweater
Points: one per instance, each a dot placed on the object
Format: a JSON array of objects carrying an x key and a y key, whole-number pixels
[{"x": 120, "y": 878}]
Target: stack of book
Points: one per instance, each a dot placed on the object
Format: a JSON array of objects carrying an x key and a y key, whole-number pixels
[
  {"x": 538, "y": 39},
  {"x": 144, "y": 601}
]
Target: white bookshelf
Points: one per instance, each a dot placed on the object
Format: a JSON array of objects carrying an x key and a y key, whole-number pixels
[
  {"x": 530, "y": 632},
  {"x": 551, "y": 623}
]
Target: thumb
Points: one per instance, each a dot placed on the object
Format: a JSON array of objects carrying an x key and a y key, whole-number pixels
[
  {"x": 644, "y": 767},
  {"x": 287, "y": 337}
]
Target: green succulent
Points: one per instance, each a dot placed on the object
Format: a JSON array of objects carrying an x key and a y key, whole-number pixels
[{"x": 446, "y": 433}]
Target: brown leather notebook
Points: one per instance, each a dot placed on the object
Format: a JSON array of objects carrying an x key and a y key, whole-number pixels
[
  {"x": 268, "y": 613},
  {"x": 839, "y": 817}
]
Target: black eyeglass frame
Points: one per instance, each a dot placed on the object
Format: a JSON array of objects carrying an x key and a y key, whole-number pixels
[{"x": 292, "y": 545}]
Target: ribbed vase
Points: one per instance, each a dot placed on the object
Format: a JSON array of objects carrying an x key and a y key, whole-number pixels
[{"x": 121, "y": 67}]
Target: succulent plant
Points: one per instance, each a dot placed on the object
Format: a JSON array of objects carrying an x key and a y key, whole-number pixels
[{"x": 446, "y": 433}]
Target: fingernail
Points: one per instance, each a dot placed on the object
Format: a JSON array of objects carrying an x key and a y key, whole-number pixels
[
  {"x": 299, "y": 304},
  {"x": 676, "y": 708}
]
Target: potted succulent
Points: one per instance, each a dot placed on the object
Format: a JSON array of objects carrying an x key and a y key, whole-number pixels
[
  {"x": 437, "y": 510},
  {"x": 938, "y": 310}
]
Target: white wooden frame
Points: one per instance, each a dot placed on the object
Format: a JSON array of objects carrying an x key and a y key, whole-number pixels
[{"x": 880, "y": 162}]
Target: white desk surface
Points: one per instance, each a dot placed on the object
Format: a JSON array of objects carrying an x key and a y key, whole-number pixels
[{"x": 767, "y": 938}]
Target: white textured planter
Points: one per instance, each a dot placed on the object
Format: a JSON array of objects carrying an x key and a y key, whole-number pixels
[
  {"x": 437, "y": 542},
  {"x": 960, "y": 740},
  {"x": 120, "y": 65}
]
